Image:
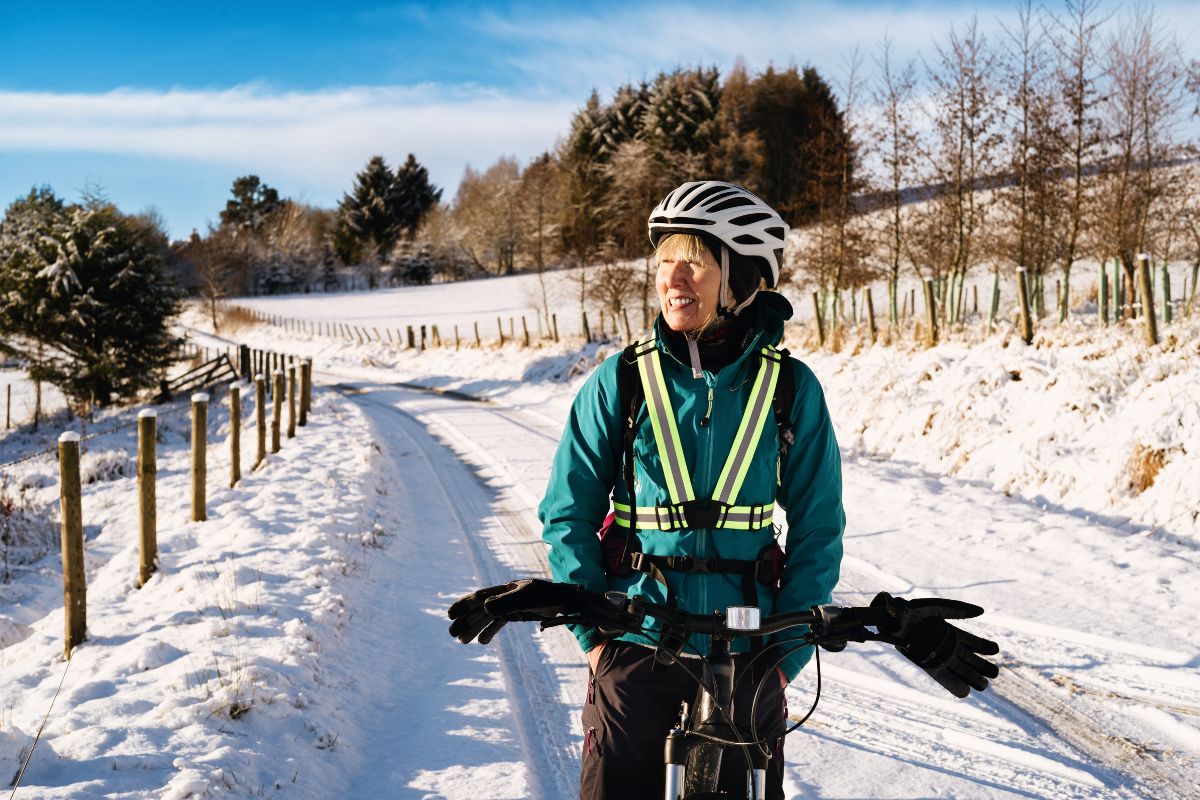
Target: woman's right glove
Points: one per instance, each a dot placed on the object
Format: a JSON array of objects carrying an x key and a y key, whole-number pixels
[
  {"x": 481, "y": 614},
  {"x": 920, "y": 632}
]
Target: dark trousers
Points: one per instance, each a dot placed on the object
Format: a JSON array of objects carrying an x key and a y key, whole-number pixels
[{"x": 630, "y": 709}]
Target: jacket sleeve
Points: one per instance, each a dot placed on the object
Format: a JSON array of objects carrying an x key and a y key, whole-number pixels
[
  {"x": 811, "y": 493},
  {"x": 581, "y": 479}
]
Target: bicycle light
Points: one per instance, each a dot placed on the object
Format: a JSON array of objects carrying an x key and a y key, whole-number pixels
[{"x": 742, "y": 618}]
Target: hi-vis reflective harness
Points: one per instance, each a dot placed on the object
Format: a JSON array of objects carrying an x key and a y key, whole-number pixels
[{"x": 773, "y": 387}]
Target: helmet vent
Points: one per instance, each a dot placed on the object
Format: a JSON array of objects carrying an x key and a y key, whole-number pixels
[
  {"x": 747, "y": 238},
  {"x": 747, "y": 219},
  {"x": 701, "y": 196},
  {"x": 682, "y": 193},
  {"x": 777, "y": 232},
  {"x": 733, "y": 202}
]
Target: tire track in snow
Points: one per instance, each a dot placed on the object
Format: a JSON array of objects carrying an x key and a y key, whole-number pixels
[
  {"x": 1029, "y": 693},
  {"x": 532, "y": 687}
]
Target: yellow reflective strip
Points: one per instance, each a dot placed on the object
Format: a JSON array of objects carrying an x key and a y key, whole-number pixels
[
  {"x": 756, "y": 434},
  {"x": 666, "y": 434},
  {"x": 747, "y": 414},
  {"x": 656, "y": 423},
  {"x": 686, "y": 492}
]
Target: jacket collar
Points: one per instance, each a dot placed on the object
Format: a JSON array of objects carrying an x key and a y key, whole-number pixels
[{"x": 770, "y": 311}]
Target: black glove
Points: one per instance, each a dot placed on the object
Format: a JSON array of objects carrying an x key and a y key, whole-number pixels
[
  {"x": 470, "y": 620},
  {"x": 481, "y": 614},
  {"x": 920, "y": 632}
]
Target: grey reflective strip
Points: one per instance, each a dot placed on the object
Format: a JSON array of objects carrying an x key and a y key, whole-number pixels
[
  {"x": 669, "y": 450},
  {"x": 738, "y": 462}
]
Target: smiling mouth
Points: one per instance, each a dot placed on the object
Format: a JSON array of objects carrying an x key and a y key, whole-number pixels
[{"x": 680, "y": 302}]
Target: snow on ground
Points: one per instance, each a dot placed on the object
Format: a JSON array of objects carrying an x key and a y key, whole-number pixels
[{"x": 294, "y": 645}]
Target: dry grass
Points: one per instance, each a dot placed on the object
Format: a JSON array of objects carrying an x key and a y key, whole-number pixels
[
  {"x": 234, "y": 318},
  {"x": 1144, "y": 466}
]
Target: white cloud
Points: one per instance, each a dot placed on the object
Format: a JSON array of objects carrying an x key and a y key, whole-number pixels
[{"x": 320, "y": 137}]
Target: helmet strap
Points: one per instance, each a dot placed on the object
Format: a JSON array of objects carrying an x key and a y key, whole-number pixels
[{"x": 722, "y": 310}]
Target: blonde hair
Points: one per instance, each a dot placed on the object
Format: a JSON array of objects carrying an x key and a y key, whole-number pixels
[{"x": 685, "y": 247}]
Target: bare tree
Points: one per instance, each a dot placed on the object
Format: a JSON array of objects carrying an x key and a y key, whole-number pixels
[
  {"x": 487, "y": 206},
  {"x": 1031, "y": 208},
  {"x": 838, "y": 244},
  {"x": 637, "y": 180},
  {"x": 1146, "y": 81},
  {"x": 966, "y": 100},
  {"x": 894, "y": 131},
  {"x": 1075, "y": 40},
  {"x": 540, "y": 195}
]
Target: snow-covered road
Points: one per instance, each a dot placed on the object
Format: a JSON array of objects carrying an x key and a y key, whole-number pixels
[{"x": 1064, "y": 721}]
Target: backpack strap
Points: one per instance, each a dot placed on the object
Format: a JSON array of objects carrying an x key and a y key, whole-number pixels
[
  {"x": 630, "y": 399},
  {"x": 781, "y": 402}
]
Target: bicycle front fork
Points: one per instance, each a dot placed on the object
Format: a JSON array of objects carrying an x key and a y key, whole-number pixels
[
  {"x": 676, "y": 763},
  {"x": 692, "y": 755}
]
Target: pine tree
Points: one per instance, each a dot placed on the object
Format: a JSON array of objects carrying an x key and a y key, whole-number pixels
[
  {"x": 367, "y": 211},
  {"x": 252, "y": 204},
  {"x": 412, "y": 196},
  {"x": 680, "y": 120},
  {"x": 83, "y": 296}
]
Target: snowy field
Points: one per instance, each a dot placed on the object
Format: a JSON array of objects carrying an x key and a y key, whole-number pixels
[{"x": 294, "y": 645}]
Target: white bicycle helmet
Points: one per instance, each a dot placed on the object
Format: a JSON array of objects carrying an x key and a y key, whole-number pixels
[{"x": 731, "y": 215}]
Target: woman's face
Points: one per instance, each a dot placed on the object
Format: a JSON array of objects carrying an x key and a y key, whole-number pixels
[{"x": 688, "y": 292}]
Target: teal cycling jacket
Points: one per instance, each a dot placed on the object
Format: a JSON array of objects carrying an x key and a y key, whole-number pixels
[{"x": 587, "y": 468}]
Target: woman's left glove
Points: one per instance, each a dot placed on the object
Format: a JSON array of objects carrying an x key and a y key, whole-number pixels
[{"x": 950, "y": 655}]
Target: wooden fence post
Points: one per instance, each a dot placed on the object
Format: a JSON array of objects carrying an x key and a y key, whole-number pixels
[
  {"x": 305, "y": 390},
  {"x": 587, "y": 331},
  {"x": 820, "y": 323},
  {"x": 1147, "y": 291},
  {"x": 625, "y": 318},
  {"x": 478, "y": 341},
  {"x": 524, "y": 332},
  {"x": 1102, "y": 294},
  {"x": 1023, "y": 301},
  {"x": 500, "y": 328},
  {"x": 423, "y": 345},
  {"x": 147, "y": 477},
  {"x": 291, "y": 399},
  {"x": 412, "y": 337},
  {"x": 260, "y": 413},
  {"x": 456, "y": 336},
  {"x": 276, "y": 410},
  {"x": 554, "y": 326},
  {"x": 871, "y": 314},
  {"x": 1166, "y": 294},
  {"x": 931, "y": 331},
  {"x": 74, "y": 579},
  {"x": 199, "y": 456},
  {"x": 235, "y": 434}
]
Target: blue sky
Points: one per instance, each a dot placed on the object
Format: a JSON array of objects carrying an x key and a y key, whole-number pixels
[{"x": 163, "y": 104}]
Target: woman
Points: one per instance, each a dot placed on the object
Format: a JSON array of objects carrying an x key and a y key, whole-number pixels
[{"x": 717, "y": 246}]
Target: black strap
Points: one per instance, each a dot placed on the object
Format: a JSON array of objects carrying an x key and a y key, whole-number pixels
[
  {"x": 781, "y": 402},
  {"x": 630, "y": 398}
]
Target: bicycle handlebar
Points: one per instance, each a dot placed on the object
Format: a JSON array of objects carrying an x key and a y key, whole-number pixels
[{"x": 918, "y": 628}]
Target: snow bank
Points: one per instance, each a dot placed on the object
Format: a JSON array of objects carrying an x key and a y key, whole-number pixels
[
  {"x": 210, "y": 679},
  {"x": 1098, "y": 424}
]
